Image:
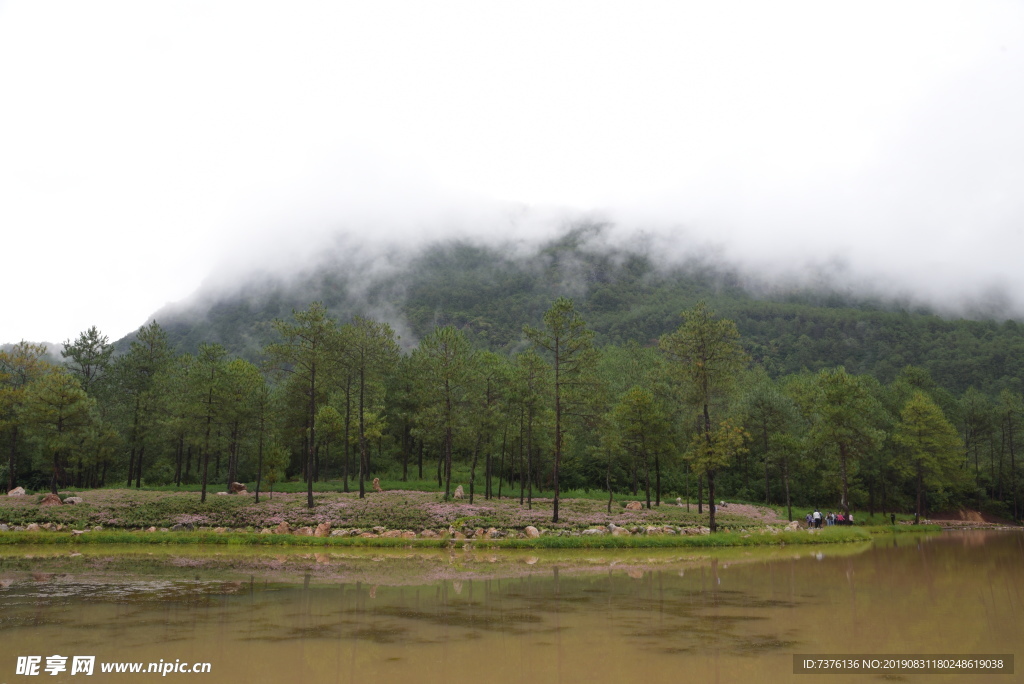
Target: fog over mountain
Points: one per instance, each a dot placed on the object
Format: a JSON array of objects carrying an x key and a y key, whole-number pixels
[{"x": 158, "y": 154}]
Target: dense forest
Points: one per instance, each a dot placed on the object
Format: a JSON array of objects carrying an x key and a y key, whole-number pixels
[{"x": 503, "y": 384}]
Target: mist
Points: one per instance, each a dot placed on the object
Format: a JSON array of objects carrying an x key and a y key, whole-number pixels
[{"x": 164, "y": 154}]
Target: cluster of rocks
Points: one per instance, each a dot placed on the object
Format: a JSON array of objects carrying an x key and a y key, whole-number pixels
[{"x": 50, "y": 499}]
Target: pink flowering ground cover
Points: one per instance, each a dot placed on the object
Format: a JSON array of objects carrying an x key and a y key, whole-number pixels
[{"x": 394, "y": 509}]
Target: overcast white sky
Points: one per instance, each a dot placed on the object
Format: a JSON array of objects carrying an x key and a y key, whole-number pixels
[{"x": 142, "y": 144}]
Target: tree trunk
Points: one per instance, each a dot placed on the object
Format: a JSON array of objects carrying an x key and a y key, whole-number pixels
[
  {"x": 12, "y": 460},
  {"x": 711, "y": 500}
]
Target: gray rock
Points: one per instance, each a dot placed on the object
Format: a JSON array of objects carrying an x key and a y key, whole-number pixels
[
  {"x": 17, "y": 491},
  {"x": 4, "y": 528},
  {"x": 73, "y": 500},
  {"x": 183, "y": 527}
]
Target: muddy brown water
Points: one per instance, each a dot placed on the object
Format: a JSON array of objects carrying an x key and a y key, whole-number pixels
[{"x": 734, "y": 615}]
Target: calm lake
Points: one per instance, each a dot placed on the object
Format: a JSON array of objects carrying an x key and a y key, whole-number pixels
[{"x": 291, "y": 615}]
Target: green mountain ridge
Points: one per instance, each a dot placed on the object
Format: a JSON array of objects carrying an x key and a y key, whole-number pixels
[{"x": 490, "y": 292}]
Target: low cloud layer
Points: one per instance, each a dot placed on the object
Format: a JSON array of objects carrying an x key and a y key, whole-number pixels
[{"x": 151, "y": 149}]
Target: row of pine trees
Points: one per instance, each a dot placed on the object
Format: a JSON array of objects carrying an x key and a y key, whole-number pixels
[{"x": 687, "y": 415}]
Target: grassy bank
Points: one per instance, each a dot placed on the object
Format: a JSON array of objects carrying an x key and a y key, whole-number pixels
[{"x": 829, "y": 536}]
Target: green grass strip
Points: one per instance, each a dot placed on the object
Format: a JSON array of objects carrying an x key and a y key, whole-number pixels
[{"x": 825, "y": 536}]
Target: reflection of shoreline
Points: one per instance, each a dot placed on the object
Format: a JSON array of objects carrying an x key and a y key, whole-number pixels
[{"x": 381, "y": 566}]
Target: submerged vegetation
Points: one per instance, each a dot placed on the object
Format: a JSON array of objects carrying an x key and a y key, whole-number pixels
[{"x": 790, "y": 403}]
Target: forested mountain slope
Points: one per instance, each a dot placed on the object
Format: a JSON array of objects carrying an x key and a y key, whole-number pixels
[{"x": 491, "y": 292}]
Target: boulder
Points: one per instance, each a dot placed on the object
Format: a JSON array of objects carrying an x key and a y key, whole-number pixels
[
  {"x": 73, "y": 500},
  {"x": 634, "y": 506},
  {"x": 679, "y": 501},
  {"x": 592, "y": 530},
  {"x": 75, "y": 533},
  {"x": 532, "y": 532},
  {"x": 323, "y": 530},
  {"x": 151, "y": 529},
  {"x": 408, "y": 534},
  {"x": 283, "y": 528},
  {"x": 376, "y": 485},
  {"x": 4, "y": 528},
  {"x": 183, "y": 527},
  {"x": 338, "y": 533},
  {"x": 369, "y": 535},
  {"x": 795, "y": 525},
  {"x": 479, "y": 533},
  {"x": 51, "y": 500},
  {"x": 17, "y": 491},
  {"x": 216, "y": 530},
  {"x": 97, "y": 528},
  {"x": 236, "y": 488},
  {"x": 620, "y": 532},
  {"x": 32, "y": 527},
  {"x": 379, "y": 530},
  {"x": 652, "y": 530},
  {"x": 391, "y": 534},
  {"x": 429, "y": 534},
  {"x": 222, "y": 493},
  {"x": 304, "y": 532},
  {"x": 459, "y": 494}
]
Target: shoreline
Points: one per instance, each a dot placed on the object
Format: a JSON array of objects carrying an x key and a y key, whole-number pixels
[{"x": 550, "y": 541}]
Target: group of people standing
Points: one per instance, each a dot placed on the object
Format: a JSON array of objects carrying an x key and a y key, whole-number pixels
[{"x": 816, "y": 519}]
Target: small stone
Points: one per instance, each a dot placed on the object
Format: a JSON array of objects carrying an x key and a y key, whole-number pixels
[{"x": 532, "y": 532}]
